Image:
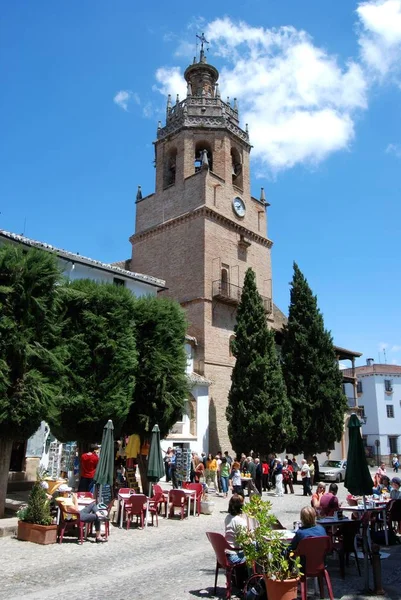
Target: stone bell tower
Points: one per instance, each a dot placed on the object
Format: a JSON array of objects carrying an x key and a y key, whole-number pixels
[{"x": 202, "y": 229}]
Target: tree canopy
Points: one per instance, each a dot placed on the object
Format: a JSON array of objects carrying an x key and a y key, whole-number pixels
[
  {"x": 31, "y": 357},
  {"x": 258, "y": 412},
  {"x": 311, "y": 372},
  {"x": 161, "y": 384},
  {"x": 99, "y": 335}
]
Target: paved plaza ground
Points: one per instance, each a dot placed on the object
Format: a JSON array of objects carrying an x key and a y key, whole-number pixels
[{"x": 172, "y": 562}]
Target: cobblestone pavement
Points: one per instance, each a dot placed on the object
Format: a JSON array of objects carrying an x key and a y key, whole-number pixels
[{"x": 172, "y": 562}]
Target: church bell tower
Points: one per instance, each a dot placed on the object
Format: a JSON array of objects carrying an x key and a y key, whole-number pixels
[{"x": 202, "y": 229}]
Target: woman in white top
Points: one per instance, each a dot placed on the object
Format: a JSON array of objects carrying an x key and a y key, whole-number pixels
[{"x": 233, "y": 523}]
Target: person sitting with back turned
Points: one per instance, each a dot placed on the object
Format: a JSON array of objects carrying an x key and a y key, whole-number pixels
[
  {"x": 308, "y": 528},
  {"x": 329, "y": 502},
  {"x": 89, "y": 462}
]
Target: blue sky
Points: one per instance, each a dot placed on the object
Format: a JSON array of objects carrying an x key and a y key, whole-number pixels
[{"x": 84, "y": 86}]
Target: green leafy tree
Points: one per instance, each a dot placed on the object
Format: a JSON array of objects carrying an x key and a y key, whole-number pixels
[
  {"x": 312, "y": 376},
  {"x": 258, "y": 412},
  {"x": 98, "y": 329},
  {"x": 161, "y": 383},
  {"x": 31, "y": 357}
]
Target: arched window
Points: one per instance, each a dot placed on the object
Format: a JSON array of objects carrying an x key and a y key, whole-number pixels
[
  {"x": 199, "y": 148},
  {"x": 236, "y": 168},
  {"x": 170, "y": 167},
  {"x": 224, "y": 281}
]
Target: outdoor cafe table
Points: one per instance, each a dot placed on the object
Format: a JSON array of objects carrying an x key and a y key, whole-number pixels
[
  {"x": 191, "y": 495},
  {"x": 122, "y": 497},
  {"x": 381, "y": 507}
]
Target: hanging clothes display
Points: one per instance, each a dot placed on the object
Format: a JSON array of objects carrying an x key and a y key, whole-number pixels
[
  {"x": 183, "y": 462},
  {"x": 133, "y": 446}
]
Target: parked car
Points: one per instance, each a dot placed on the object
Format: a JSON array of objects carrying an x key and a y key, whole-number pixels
[{"x": 333, "y": 470}]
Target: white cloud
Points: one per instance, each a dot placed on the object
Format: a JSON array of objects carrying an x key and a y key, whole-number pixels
[
  {"x": 170, "y": 81},
  {"x": 383, "y": 346},
  {"x": 395, "y": 348},
  {"x": 394, "y": 149},
  {"x": 124, "y": 97},
  {"x": 380, "y": 35}
]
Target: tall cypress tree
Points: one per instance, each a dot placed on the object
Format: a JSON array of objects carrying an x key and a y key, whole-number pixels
[
  {"x": 312, "y": 376},
  {"x": 258, "y": 412}
]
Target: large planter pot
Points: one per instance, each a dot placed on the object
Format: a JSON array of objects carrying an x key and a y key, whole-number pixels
[
  {"x": 206, "y": 507},
  {"x": 38, "y": 534},
  {"x": 281, "y": 590}
]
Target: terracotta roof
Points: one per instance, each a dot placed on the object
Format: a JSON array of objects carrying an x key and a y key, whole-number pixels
[
  {"x": 196, "y": 379},
  {"x": 77, "y": 258},
  {"x": 375, "y": 370}
]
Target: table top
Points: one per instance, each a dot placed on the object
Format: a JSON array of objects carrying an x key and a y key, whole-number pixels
[
  {"x": 333, "y": 521},
  {"x": 362, "y": 508},
  {"x": 85, "y": 501},
  {"x": 186, "y": 491}
]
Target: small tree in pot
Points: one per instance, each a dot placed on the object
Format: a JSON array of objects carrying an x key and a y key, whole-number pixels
[
  {"x": 35, "y": 521},
  {"x": 264, "y": 546}
]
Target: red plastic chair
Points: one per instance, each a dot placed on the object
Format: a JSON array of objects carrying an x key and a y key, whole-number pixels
[
  {"x": 177, "y": 498},
  {"x": 313, "y": 551},
  {"x": 136, "y": 507},
  {"x": 70, "y": 523},
  {"x": 84, "y": 495},
  {"x": 154, "y": 503},
  {"x": 198, "y": 487},
  {"x": 220, "y": 544},
  {"x": 126, "y": 491},
  {"x": 157, "y": 489}
]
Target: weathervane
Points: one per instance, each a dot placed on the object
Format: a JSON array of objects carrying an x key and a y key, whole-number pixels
[{"x": 202, "y": 40}]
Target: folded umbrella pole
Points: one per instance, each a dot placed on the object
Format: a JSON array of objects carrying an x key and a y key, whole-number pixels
[{"x": 104, "y": 474}]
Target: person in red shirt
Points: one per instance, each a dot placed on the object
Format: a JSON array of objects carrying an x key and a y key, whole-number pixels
[
  {"x": 89, "y": 462},
  {"x": 265, "y": 475},
  {"x": 329, "y": 502}
]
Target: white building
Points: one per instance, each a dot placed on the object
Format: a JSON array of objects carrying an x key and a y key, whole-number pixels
[{"x": 379, "y": 399}]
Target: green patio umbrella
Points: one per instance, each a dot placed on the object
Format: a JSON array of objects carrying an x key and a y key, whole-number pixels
[
  {"x": 104, "y": 474},
  {"x": 358, "y": 479},
  {"x": 155, "y": 459}
]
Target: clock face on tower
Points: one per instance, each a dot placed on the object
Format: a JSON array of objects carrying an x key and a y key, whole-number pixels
[{"x": 239, "y": 207}]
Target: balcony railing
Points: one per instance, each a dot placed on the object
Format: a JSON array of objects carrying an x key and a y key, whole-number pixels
[{"x": 231, "y": 294}]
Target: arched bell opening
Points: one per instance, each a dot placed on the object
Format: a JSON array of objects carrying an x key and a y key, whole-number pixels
[
  {"x": 170, "y": 166},
  {"x": 236, "y": 168},
  {"x": 203, "y": 156}
]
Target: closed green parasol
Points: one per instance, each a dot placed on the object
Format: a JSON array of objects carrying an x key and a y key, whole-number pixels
[
  {"x": 155, "y": 460},
  {"x": 358, "y": 480},
  {"x": 104, "y": 474}
]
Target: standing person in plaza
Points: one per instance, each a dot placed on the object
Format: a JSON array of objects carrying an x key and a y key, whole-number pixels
[
  {"x": 167, "y": 459},
  {"x": 265, "y": 475},
  {"x": 224, "y": 475},
  {"x": 218, "y": 460},
  {"x": 89, "y": 462},
  {"x": 295, "y": 468},
  {"x": 235, "y": 477},
  {"x": 258, "y": 475},
  {"x": 278, "y": 473},
  {"x": 211, "y": 471},
  {"x": 228, "y": 458},
  {"x": 305, "y": 476},
  {"x": 287, "y": 477},
  {"x": 311, "y": 471},
  {"x": 173, "y": 469},
  {"x": 395, "y": 462},
  {"x": 251, "y": 468},
  {"x": 243, "y": 463},
  {"x": 316, "y": 465}
]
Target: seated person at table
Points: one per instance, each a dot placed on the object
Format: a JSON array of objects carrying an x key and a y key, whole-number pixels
[
  {"x": 329, "y": 502},
  {"x": 233, "y": 523},
  {"x": 383, "y": 487},
  {"x": 395, "y": 493},
  {"x": 87, "y": 514},
  {"x": 316, "y": 497},
  {"x": 308, "y": 528}
]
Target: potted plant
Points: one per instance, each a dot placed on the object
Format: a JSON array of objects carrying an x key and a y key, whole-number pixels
[
  {"x": 35, "y": 523},
  {"x": 206, "y": 505},
  {"x": 264, "y": 546}
]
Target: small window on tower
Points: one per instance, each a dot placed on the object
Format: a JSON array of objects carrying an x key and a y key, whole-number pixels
[{"x": 170, "y": 167}]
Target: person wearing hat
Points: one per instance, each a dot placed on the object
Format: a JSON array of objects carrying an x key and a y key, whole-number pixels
[
  {"x": 395, "y": 493},
  {"x": 87, "y": 514}
]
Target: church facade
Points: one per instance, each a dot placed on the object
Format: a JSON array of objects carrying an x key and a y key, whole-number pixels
[{"x": 201, "y": 229}]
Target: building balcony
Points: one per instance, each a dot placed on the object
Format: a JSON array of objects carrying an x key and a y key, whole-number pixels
[{"x": 231, "y": 294}]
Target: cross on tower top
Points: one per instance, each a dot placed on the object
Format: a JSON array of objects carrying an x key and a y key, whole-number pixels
[{"x": 203, "y": 41}]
